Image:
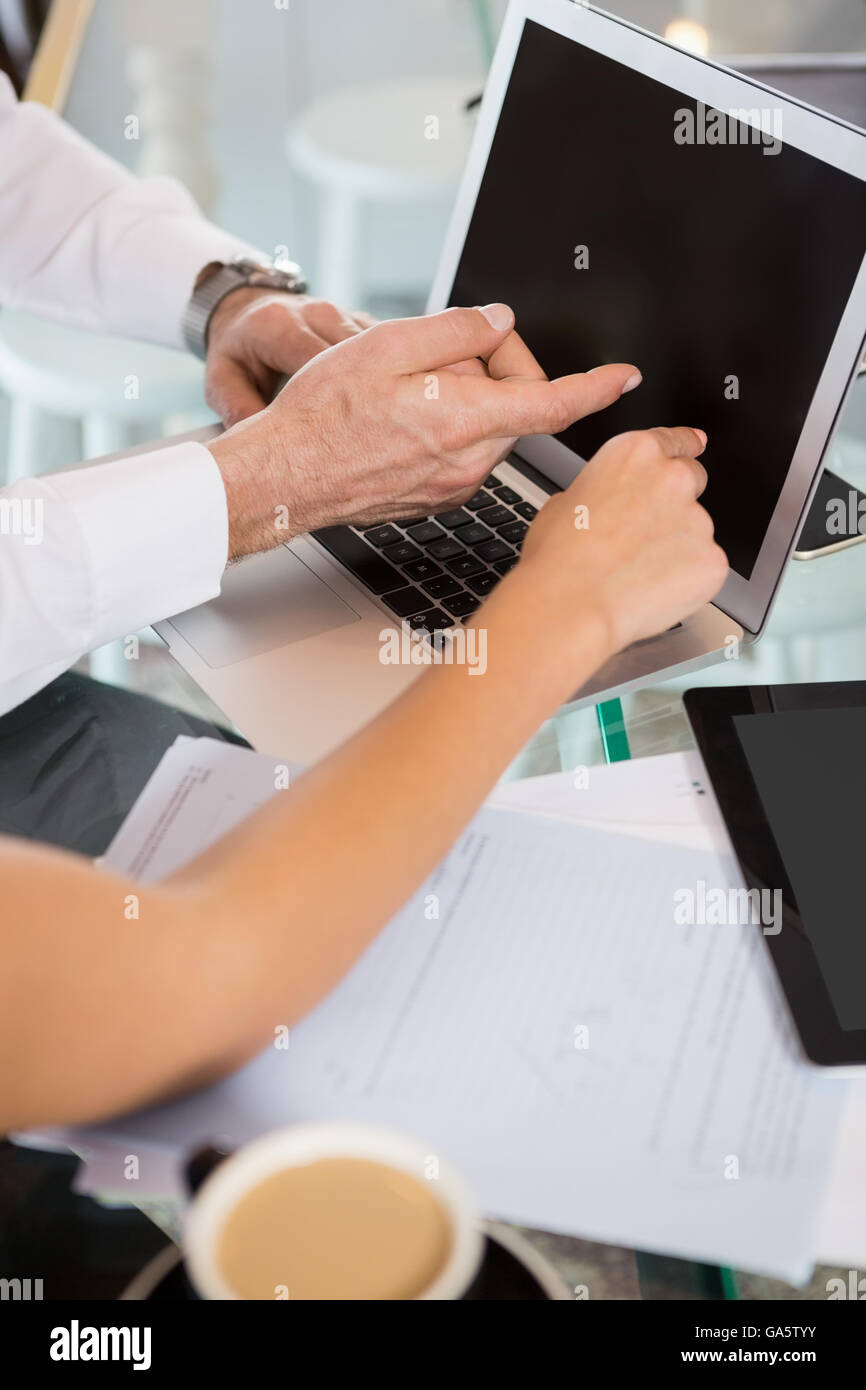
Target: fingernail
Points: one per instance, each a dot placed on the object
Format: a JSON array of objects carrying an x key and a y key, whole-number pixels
[
  {"x": 701, "y": 436},
  {"x": 634, "y": 380},
  {"x": 499, "y": 316}
]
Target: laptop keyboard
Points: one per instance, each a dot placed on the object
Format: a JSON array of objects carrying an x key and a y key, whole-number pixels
[{"x": 434, "y": 572}]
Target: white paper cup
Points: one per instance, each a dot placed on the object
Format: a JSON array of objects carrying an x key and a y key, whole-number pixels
[{"x": 237, "y": 1175}]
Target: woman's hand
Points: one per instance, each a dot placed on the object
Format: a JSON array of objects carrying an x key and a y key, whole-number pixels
[{"x": 627, "y": 547}]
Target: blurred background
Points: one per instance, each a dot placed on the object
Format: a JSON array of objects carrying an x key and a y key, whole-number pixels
[
  {"x": 335, "y": 133},
  {"x": 220, "y": 87},
  {"x": 298, "y": 125}
]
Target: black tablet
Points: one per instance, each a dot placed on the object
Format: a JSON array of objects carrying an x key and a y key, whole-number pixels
[{"x": 788, "y": 767}]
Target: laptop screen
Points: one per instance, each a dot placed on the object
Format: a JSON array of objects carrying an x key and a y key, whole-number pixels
[{"x": 619, "y": 230}]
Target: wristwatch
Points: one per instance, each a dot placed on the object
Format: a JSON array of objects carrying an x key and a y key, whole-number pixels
[{"x": 219, "y": 278}]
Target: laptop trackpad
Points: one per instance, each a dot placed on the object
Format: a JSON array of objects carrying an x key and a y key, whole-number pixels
[{"x": 267, "y": 601}]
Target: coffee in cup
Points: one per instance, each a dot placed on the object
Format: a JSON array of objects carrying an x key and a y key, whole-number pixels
[{"x": 332, "y": 1212}]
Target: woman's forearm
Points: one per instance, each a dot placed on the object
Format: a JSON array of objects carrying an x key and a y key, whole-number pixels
[
  {"x": 99, "y": 1013},
  {"x": 255, "y": 931},
  {"x": 365, "y": 827}
]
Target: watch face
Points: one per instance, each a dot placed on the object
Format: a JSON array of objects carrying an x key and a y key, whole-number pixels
[
  {"x": 282, "y": 275},
  {"x": 273, "y": 279}
]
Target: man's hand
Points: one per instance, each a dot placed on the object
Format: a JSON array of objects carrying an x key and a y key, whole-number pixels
[
  {"x": 391, "y": 423},
  {"x": 257, "y": 336}
]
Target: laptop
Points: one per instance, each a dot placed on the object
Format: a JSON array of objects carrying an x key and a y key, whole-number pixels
[{"x": 632, "y": 202}]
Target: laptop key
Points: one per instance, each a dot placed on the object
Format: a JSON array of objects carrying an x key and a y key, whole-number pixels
[
  {"x": 438, "y": 588},
  {"x": 405, "y": 602},
  {"x": 359, "y": 558},
  {"x": 472, "y": 535},
  {"x": 481, "y": 499},
  {"x": 514, "y": 532},
  {"x": 494, "y": 550},
  {"x": 461, "y": 605},
  {"x": 430, "y": 621},
  {"x": 425, "y": 532},
  {"x": 507, "y": 494},
  {"x": 421, "y": 569},
  {"x": 383, "y": 535},
  {"x": 482, "y": 584},
  {"x": 526, "y": 510},
  {"x": 495, "y": 516},
  {"x": 464, "y": 566},
  {"x": 503, "y": 566},
  {"x": 402, "y": 553},
  {"x": 446, "y": 549},
  {"x": 453, "y": 519}
]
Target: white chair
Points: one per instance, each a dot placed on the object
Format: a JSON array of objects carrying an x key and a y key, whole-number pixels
[
  {"x": 394, "y": 142},
  {"x": 111, "y": 387}
]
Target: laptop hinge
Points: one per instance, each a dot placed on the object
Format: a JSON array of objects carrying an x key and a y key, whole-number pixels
[{"x": 532, "y": 475}]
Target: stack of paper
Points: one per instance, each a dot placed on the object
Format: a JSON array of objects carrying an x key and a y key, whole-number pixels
[{"x": 536, "y": 1013}]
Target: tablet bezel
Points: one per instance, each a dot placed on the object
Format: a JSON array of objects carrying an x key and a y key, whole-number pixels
[
  {"x": 711, "y": 712},
  {"x": 826, "y": 137}
]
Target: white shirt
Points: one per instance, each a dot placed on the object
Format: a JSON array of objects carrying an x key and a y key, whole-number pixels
[{"x": 94, "y": 553}]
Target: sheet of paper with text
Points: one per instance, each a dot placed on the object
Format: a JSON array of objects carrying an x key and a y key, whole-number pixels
[{"x": 538, "y": 1015}]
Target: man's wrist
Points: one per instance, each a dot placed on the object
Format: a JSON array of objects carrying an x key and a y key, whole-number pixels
[
  {"x": 216, "y": 280},
  {"x": 231, "y": 305},
  {"x": 248, "y": 460}
]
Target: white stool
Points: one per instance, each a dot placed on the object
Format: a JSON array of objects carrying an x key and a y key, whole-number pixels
[
  {"x": 392, "y": 142},
  {"x": 110, "y": 386}
]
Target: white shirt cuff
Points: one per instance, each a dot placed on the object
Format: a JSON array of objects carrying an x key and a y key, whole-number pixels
[{"x": 154, "y": 528}]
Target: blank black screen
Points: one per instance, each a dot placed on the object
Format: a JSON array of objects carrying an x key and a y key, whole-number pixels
[
  {"x": 705, "y": 261},
  {"x": 809, "y": 768}
]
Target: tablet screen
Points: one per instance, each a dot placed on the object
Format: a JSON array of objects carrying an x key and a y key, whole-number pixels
[
  {"x": 720, "y": 270},
  {"x": 809, "y": 769},
  {"x": 788, "y": 767}
]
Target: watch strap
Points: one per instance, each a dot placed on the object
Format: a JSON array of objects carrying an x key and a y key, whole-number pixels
[{"x": 222, "y": 281}]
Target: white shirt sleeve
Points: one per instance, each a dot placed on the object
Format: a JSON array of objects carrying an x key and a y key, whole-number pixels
[
  {"x": 95, "y": 553},
  {"x": 85, "y": 242}
]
